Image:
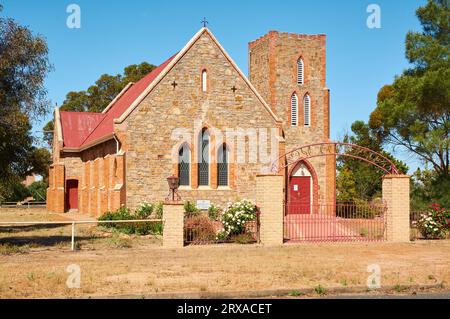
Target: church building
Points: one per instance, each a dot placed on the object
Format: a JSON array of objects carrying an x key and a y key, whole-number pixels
[{"x": 198, "y": 117}]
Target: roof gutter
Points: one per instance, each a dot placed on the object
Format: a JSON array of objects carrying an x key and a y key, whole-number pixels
[{"x": 85, "y": 147}]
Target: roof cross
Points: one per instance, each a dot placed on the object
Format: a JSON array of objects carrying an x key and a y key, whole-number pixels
[{"x": 205, "y": 22}]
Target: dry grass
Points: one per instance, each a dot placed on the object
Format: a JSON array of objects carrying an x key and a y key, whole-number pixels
[
  {"x": 114, "y": 264},
  {"x": 151, "y": 269}
]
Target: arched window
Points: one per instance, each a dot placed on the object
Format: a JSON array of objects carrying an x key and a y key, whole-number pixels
[
  {"x": 294, "y": 110},
  {"x": 203, "y": 158},
  {"x": 307, "y": 109},
  {"x": 222, "y": 166},
  {"x": 183, "y": 165},
  {"x": 300, "y": 71},
  {"x": 204, "y": 81}
]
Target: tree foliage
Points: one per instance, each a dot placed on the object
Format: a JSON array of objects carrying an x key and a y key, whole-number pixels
[
  {"x": 99, "y": 95},
  {"x": 357, "y": 179},
  {"x": 414, "y": 111},
  {"x": 24, "y": 65}
]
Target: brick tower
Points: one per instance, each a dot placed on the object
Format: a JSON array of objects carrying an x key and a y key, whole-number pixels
[{"x": 289, "y": 71}]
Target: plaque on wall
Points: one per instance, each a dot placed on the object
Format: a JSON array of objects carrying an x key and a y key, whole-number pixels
[{"x": 203, "y": 204}]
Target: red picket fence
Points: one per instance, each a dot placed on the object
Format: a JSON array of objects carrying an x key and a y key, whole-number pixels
[{"x": 335, "y": 222}]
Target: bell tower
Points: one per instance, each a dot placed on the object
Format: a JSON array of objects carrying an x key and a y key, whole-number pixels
[{"x": 289, "y": 71}]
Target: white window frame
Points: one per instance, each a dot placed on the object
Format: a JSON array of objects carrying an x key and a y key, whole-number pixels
[
  {"x": 300, "y": 71},
  {"x": 204, "y": 81},
  {"x": 294, "y": 109},
  {"x": 307, "y": 110}
]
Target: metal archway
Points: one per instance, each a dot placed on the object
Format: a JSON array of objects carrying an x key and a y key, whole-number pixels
[{"x": 335, "y": 149}]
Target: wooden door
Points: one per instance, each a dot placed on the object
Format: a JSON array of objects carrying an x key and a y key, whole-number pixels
[
  {"x": 72, "y": 194},
  {"x": 299, "y": 195}
]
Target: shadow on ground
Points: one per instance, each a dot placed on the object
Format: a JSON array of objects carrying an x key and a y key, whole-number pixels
[
  {"x": 46, "y": 241},
  {"x": 28, "y": 228}
]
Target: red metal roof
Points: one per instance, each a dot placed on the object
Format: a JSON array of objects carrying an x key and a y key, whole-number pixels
[
  {"x": 82, "y": 128},
  {"x": 76, "y": 126}
]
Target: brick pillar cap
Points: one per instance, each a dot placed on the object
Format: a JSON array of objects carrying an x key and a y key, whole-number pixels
[
  {"x": 171, "y": 202},
  {"x": 396, "y": 176}
]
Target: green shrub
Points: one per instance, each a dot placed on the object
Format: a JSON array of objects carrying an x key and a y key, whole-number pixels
[
  {"x": 236, "y": 215},
  {"x": 159, "y": 210},
  {"x": 145, "y": 211},
  {"x": 190, "y": 209},
  {"x": 435, "y": 223},
  {"x": 214, "y": 212}
]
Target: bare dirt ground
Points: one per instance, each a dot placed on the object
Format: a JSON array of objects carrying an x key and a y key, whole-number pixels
[{"x": 113, "y": 265}]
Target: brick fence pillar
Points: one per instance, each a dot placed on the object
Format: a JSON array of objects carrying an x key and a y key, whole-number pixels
[
  {"x": 59, "y": 193},
  {"x": 173, "y": 232},
  {"x": 269, "y": 197},
  {"x": 396, "y": 196}
]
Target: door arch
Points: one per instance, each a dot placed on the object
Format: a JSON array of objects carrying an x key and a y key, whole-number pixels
[{"x": 303, "y": 189}]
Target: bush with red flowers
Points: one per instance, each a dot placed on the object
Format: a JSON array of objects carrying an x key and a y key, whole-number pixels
[{"x": 435, "y": 223}]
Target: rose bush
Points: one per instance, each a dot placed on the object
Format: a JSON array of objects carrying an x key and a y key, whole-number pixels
[
  {"x": 435, "y": 223},
  {"x": 235, "y": 216}
]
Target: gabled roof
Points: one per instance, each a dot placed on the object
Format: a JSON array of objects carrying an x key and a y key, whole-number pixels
[
  {"x": 76, "y": 126},
  {"x": 130, "y": 97},
  {"x": 80, "y": 130}
]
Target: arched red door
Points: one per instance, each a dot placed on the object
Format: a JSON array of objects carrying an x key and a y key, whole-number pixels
[
  {"x": 300, "y": 191},
  {"x": 300, "y": 195},
  {"x": 72, "y": 194}
]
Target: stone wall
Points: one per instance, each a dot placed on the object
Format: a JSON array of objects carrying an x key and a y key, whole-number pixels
[
  {"x": 273, "y": 71},
  {"x": 149, "y": 129}
]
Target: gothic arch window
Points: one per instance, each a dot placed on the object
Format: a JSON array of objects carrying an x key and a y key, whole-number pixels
[
  {"x": 184, "y": 165},
  {"x": 294, "y": 110},
  {"x": 307, "y": 109},
  {"x": 203, "y": 158},
  {"x": 222, "y": 165},
  {"x": 204, "y": 80},
  {"x": 300, "y": 71}
]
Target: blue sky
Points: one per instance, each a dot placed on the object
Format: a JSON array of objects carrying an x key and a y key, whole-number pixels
[{"x": 114, "y": 34}]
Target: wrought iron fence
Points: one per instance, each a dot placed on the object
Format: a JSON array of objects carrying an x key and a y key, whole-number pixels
[
  {"x": 335, "y": 222},
  {"x": 414, "y": 217},
  {"x": 202, "y": 230}
]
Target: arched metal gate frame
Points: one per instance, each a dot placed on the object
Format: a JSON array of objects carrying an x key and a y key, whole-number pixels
[{"x": 334, "y": 221}]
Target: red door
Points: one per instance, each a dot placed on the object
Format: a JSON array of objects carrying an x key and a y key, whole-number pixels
[
  {"x": 299, "y": 195},
  {"x": 72, "y": 194}
]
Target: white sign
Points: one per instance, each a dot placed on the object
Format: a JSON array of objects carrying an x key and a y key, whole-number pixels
[
  {"x": 203, "y": 204},
  {"x": 295, "y": 188}
]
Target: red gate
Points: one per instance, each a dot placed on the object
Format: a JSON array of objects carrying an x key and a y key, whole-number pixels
[
  {"x": 337, "y": 222},
  {"x": 308, "y": 220}
]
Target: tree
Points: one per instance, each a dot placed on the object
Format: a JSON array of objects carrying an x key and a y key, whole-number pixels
[
  {"x": 38, "y": 190},
  {"x": 23, "y": 67},
  {"x": 357, "y": 179},
  {"x": 413, "y": 112},
  {"x": 99, "y": 95}
]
